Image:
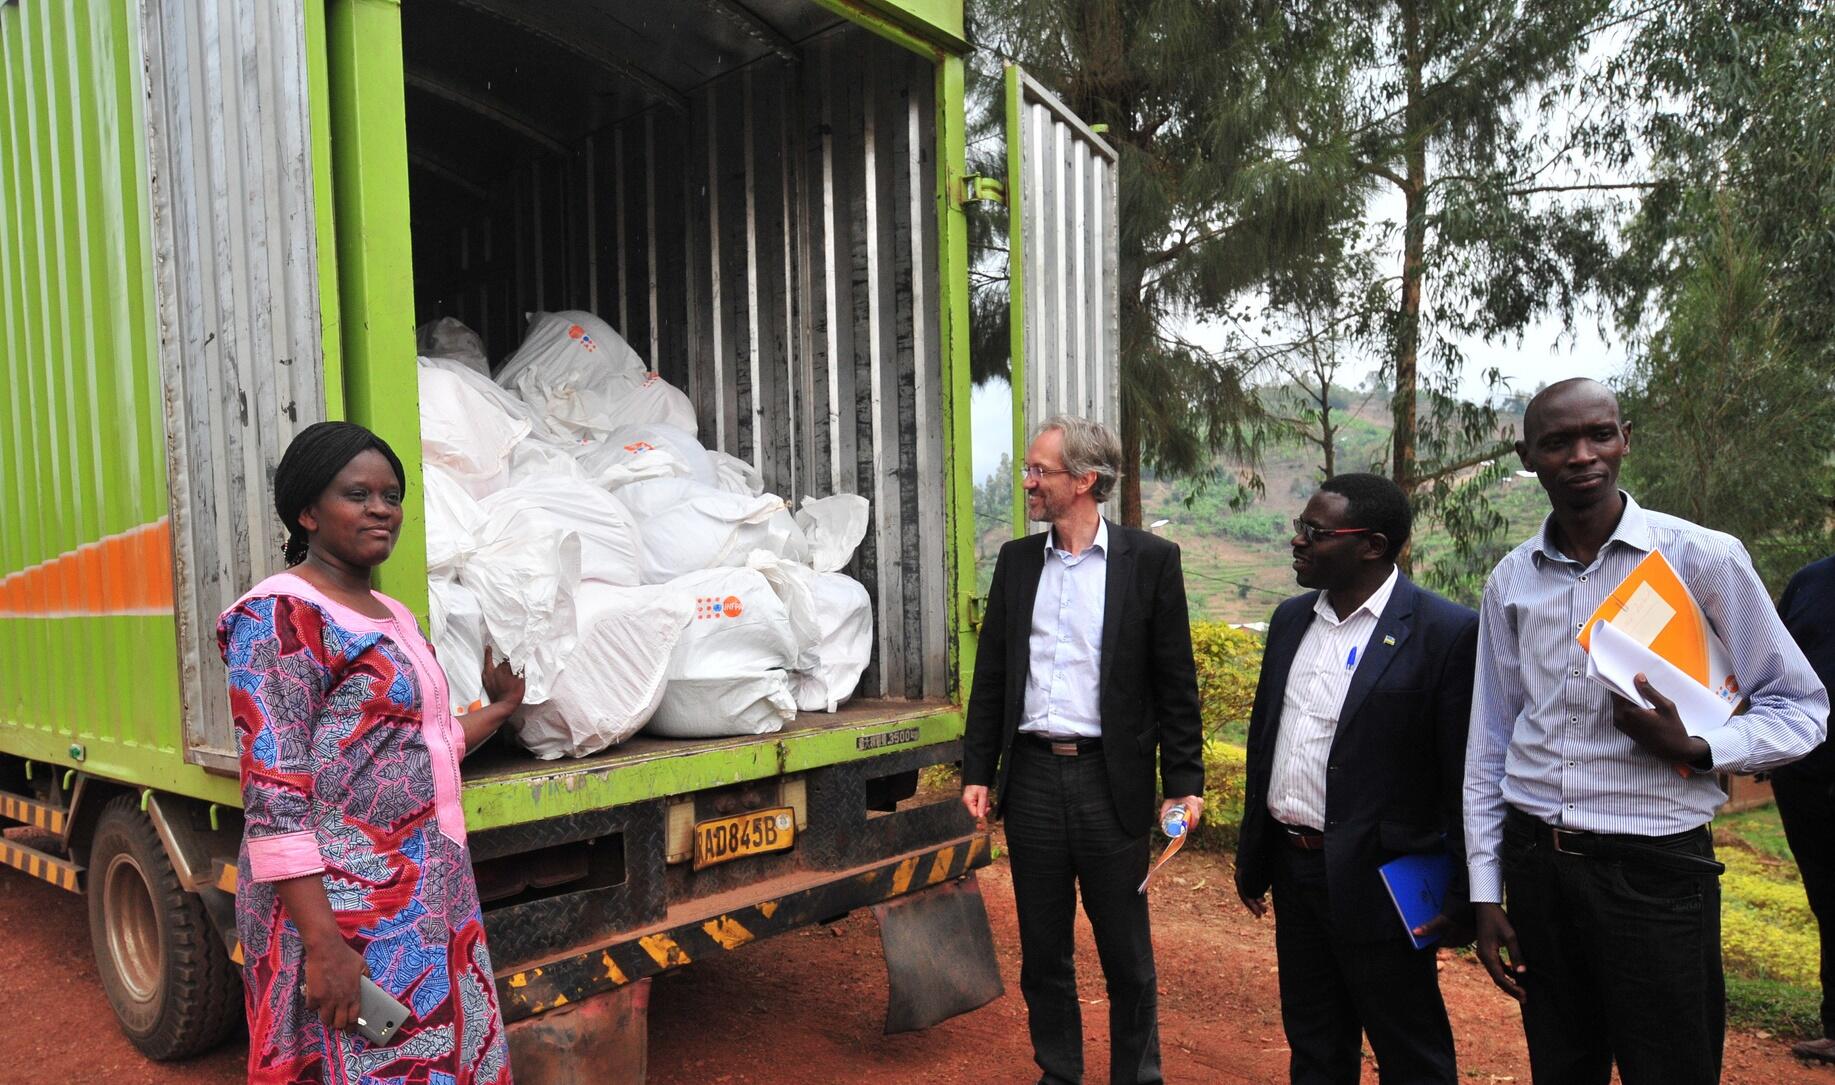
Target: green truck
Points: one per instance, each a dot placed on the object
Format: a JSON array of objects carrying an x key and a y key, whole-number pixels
[{"x": 221, "y": 220}]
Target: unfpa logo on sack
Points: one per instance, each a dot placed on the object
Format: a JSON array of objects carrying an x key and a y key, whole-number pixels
[
  {"x": 574, "y": 331},
  {"x": 708, "y": 606}
]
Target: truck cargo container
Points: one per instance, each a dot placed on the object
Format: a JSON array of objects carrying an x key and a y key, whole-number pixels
[{"x": 221, "y": 220}]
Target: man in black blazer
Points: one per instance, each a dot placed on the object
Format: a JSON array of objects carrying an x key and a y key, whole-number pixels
[
  {"x": 1083, "y": 673},
  {"x": 1357, "y": 757}
]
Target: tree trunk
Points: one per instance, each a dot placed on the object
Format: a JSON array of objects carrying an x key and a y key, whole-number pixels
[
  {"x": 1414, "y": 251},
  {"x": 1130, "y": 468}
]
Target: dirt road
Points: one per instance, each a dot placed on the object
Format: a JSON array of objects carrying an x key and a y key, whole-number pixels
[{"x": 806, "y": 1008}]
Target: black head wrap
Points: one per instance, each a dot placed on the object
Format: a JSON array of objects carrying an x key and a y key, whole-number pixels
[{"x": 310, "y": 464}]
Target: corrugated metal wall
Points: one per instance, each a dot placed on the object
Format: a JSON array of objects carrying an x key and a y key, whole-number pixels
[
  {"x": 86, "y": 629},
  {"x": 1067, "y": 196},
  {"x": 770, "y": 248},
  {"x": 240, "y": 348}
]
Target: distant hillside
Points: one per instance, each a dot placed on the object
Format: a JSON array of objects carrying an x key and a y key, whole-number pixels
[{"x": 1237, "y": 556}]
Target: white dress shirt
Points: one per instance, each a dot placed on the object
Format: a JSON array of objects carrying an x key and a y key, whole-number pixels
[
  {"x": 1542, "y": 737},
  {"x": 1329, "y": 655},
  {"x": 1066, "y": 644}
]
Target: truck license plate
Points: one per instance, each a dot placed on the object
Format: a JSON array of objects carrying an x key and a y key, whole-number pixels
[{"x": 760, "y": 831}]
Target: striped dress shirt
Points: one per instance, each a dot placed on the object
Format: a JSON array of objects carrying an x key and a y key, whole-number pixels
[
  {"x": 1542, "y": 737},
  {"x": 1329, "y": 654}
]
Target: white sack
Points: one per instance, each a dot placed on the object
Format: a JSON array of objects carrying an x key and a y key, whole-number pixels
[
  {"x": 610, "y": 543},
  {"x": 615, "y": 677},
  {"x": 505, "y": 400},
  {"x": 688, "y": 527},
  {"x": 585, "y": 380},
  {"x": 449, "y": 338},
  {"x": 452, "y": 521},
  {"x": 525, "y": 572},
  {"x": 536, "y": 458},
  {"x": 835, "y": 525},
  {"x": 465, "y": 432},
  {"x": 636, "y": 452},
  {"x": 570, "y": 341},
  {"x": 735, "y": 475},
  {"x": 729, "y": 674},
  {"x": 650, "y": 400},
  {"x": 832, "y": 618},
  {"x": 457, "y": 623}
]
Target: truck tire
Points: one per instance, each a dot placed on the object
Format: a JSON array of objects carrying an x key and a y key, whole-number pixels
[{"x": 173, "y": 987}]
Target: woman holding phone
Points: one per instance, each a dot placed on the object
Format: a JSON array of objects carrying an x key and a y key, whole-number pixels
[{"x": 353, "y": 858}]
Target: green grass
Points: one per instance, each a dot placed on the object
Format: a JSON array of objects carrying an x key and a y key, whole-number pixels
[
  {"x": 1782, "y": 1009},
  {"x": 1759, "y": 829}
]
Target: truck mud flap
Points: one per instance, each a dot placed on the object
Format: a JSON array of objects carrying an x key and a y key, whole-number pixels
[
  {"x": 689, "y": 935},
  {"x": 939, "y": 955}
]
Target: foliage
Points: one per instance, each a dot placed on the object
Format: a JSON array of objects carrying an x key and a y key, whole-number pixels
[
  {"x": 1769, "y": 937},
  {"x": 1225, "y": 776},
  {"x": 1766, "y": 929},
  {"x": 1229, "y": 663},
  {"x": 1213, "y": 204},
  {"x": 1462, "y": 112},
  {"x": 1734, "y": 427},
  {"x": 1728, "y": 271}
]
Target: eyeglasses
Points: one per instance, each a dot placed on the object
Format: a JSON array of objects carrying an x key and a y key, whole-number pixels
[
  {"x": 1034, "y": 472},
  {"x": 1313, "y": 534}
]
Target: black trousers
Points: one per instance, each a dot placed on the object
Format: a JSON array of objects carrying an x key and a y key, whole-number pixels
[
  {"x": 1064, "y": 837},
  {"x": 1808, "y": 808},
  {"x": 1333, "y": 991},
  {"x": 1623, "y": 962}
]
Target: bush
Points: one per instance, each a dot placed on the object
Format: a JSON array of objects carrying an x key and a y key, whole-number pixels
[
  {"x": 1229, "y": 662},
  {"x": 1225, "y": 772},
  {"x": 1766, "y": 929}
]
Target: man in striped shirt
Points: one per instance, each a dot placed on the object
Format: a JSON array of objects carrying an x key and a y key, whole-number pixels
[{"x": 1589, "y": 814}]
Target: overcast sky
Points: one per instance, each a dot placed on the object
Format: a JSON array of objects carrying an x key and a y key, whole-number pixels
[{"x": 1543, "y": 356}]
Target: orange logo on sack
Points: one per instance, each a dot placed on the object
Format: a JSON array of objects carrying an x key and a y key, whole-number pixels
[
  {"x": 574, "y": 331},
  {"x": 707, "y": 606},
  {"x": 640, "y": 446}
]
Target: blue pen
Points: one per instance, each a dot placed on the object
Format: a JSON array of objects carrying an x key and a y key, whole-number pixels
[{"x": 1350, "y": 661}]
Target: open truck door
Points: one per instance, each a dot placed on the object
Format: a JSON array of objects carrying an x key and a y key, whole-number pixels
[{"x": 1063, "y": 264}]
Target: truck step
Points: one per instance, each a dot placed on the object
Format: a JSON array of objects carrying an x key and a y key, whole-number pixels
[
  {"x": 39, "y": 815},
  {"x": 59, "y": 872}
]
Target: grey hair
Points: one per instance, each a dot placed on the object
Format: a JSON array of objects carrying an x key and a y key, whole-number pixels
[{"x": 1088, "y": 446}]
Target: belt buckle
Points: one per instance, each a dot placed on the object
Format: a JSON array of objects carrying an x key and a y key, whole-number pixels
[
  {"x": 1064, "y": 749},
  {"x": 1557, "y": 835}
]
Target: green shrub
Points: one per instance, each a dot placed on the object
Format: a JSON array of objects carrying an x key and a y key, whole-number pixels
[
  {"x": 1229, "y": 662},
  {"x": 1225, "y": 767},
  {"x": 1766, "y": 929}
]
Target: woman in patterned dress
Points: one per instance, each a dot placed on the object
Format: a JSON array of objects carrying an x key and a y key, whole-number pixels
[{"x": 353, "y": 854}]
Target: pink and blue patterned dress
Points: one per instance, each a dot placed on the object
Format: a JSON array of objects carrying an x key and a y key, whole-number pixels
[{"x": 350, "y": 770}]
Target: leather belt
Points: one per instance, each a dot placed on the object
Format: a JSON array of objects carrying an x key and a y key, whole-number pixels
[
  {"x": 1302, "y": 837},
  {"x": 1620, "y": 846},
  {"x": 1064, "y": 747}
]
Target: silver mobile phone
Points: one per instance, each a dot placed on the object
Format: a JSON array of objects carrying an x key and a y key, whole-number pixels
[{"x": 379, "y": 1016}]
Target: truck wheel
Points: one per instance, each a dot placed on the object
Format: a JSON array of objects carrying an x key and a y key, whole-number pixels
[{"x": 172, "y": 985}]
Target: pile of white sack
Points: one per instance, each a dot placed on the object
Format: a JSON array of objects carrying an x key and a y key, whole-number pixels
[{"x": 635, "y": 579}]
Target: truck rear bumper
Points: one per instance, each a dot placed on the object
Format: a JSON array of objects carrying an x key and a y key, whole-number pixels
[{"x": 708, "y": 927}]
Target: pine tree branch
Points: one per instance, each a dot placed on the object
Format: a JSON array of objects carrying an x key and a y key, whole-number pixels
[{"x": 1497, "y": 451}]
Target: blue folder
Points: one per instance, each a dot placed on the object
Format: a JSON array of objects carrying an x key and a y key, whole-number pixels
[{"x": 1417, "y": 884}]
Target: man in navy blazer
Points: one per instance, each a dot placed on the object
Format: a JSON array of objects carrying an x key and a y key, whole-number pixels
[{"x": 1357, "y": 757}]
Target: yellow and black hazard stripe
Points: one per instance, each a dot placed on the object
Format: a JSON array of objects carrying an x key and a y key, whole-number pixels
[
  {"x": 558, "y": 983},
  {"x": 59, "y": 872},
  {"x": 37, "y": 814}
]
